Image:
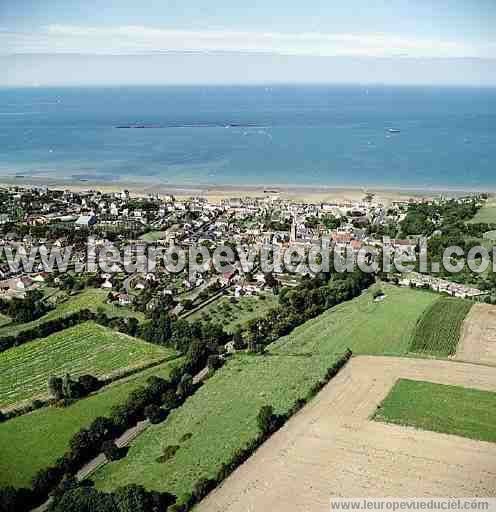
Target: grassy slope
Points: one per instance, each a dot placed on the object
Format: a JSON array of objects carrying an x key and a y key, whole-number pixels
[
  {"x": 221, "y": 416},
  {"x": 440, "y": 408},
  {"x": 238, "y": 314},
  {"x": 34, "y": 441},
  {"x": 438, "y": 331},
  {"x": 88, "y": 299},
  {"x": 85, "y": 348}
]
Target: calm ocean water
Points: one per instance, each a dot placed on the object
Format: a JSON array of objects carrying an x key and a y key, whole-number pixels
[{"x": 253, "y": 135}]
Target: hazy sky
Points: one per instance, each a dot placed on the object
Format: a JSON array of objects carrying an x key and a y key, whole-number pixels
[{"x": 206, "y": 41}]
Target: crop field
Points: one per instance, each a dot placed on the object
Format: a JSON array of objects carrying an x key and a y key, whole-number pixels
[
  {"x": 82, "y": 349},
  {"x": 34, "y": 441},
  {"x": 221, "y": 417},
  {"x": 448, "y": 409},
  {"x": 331, "y": 448},
  {"x": 235, "y": 314},
  {"x": 487, "y": 214},
  {"x": 438, "y": 331},
  {"x": 91, "y": 299}
]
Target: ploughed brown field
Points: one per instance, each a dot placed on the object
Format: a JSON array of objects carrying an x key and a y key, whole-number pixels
[
  {"x": 333, "y": 448},
  {"x": 478, "y": 338}
]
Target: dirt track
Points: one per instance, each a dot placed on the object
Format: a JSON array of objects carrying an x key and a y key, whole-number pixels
[
  {"x": 331, "y": 448},
  {"x": 478, "y": 339}
]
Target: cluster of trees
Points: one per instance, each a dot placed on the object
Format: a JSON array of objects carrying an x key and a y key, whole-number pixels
[
  {"x": 276, "y": 225},
  {"x": 331, "y": 222},
  {"x": 446, "y": 226},
  {"x": 67, "y": 388},
  {"x": 197, "y": 339},
  {"x": 71, "y": 496},
  {"x": 130, "y": 326},
  {"x": 25, "y": 310},
  {"x": 425, "y": 218},
  {"x": 297, "y": 305}
]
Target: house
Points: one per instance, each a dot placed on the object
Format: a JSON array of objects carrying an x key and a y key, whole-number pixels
[
  {"x": 124, "y": 299},
  {"x": 38, "y": 278},
  {"x": 226, "y": 278},
  {"x": 85, "y": 221}
]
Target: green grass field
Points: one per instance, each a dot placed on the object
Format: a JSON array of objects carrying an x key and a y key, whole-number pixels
[
  {"x": 438, "y": 331},
  {"x": 221, "y": 417},
  {"x": 440, "y": 408},
  {"x": 91, "y": 299},
  {"x": 490, "y": 236},
  {"x": 4, "y": 320},
  {"x": 82, "y": 349},
  {"x": 235, "y": 315},
  {"x": 34, "y": 441},
  {"x": 153, "y": 236},
  {"x": 487, "y": 214}
]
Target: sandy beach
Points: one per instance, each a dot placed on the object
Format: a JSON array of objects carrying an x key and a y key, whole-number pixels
[{"x": 216, "y": 193}]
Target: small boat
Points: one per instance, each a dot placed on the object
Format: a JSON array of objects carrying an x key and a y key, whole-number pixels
[{"x": 394, "y": 130}]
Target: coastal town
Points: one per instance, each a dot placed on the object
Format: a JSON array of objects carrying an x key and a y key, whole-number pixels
[{"x": 56, "y": 219}]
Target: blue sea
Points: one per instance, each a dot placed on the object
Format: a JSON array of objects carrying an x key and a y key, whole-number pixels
[{"x": 264, "y": 135}]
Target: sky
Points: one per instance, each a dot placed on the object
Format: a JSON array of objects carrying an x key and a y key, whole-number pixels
[{"x": 70, "y": 42}]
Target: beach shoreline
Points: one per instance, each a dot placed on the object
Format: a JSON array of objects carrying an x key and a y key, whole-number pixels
[{"x": 215, "y": 193}]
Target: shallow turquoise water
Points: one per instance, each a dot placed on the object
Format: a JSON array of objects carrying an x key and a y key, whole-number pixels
[{"x": 305, "y": 135}]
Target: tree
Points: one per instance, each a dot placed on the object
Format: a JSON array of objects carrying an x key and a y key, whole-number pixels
[
  {"x": 100, "y": 429},
  {"x": 85, "y": 499},
  {"x": 270, "y": 280},
  {"x": 185, "y": 387},
  {"x": 135, "y": 498},
  {"x": 154, "y": 414},
  {"x": 132, "y": 326},
  {"x": 46, "y": 479},
  {"x": 214, "y": 362},
  {"x": 55, "y": 387},
  {"x": 111, "y": 450},
  {"x": 187, "y": 304},
  {"x": 196, "y": 355},
  {"x": 169, "y": 400},
  {"x": 202, "y": 488},
  {"x": 89, "y": 384},
  {"x": 267, "y": 421},
  {"x": 81, "y": 445},
  {"x": 238, "y": 341},
  {"x": 14, "y": 500},
  {"x": 67, "y": 484},
  {"x": 70, "y": 388},
  {"x": 30, "y": 308}
]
